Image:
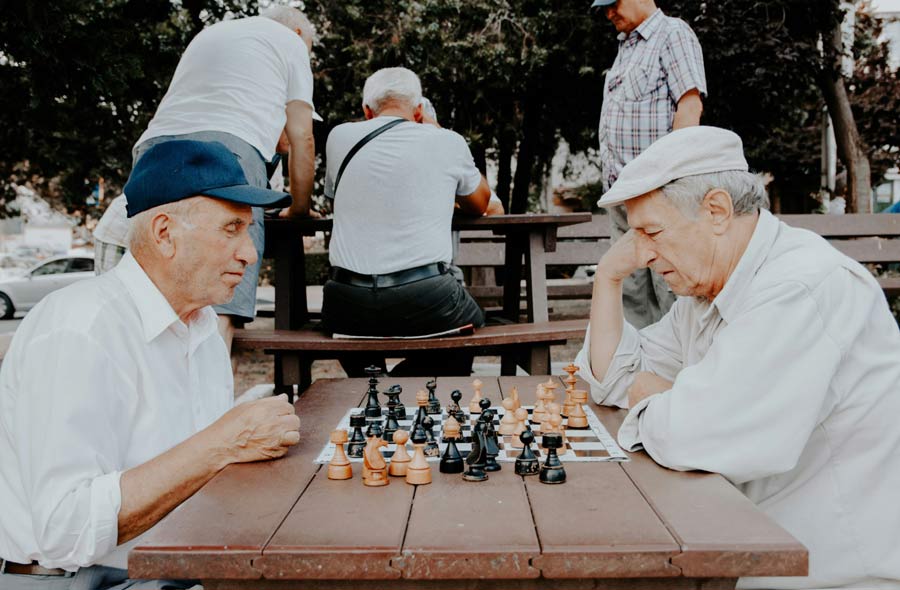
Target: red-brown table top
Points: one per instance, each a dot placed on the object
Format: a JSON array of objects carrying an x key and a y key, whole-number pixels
[{"x": 284, "y": 520}]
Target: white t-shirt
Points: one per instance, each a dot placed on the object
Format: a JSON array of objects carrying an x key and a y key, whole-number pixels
[
  {"x": 395, "y": 200},
  {"x": 237, "y": 77}
]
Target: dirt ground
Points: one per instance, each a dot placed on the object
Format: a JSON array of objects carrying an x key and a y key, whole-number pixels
[{"x": 256, "y": 367}]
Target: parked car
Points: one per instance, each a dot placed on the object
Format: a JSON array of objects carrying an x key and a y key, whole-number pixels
[{"x": 24, "y": 290}]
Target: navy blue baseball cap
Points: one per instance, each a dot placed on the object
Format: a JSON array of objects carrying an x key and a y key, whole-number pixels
[{"x": 179, "y": 169}]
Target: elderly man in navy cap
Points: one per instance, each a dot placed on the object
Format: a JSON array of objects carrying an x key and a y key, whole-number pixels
[
  {"x": 117, "y": 392},
  {"x": 656, "y": 84},
  {"x": 776, "y": 367}
]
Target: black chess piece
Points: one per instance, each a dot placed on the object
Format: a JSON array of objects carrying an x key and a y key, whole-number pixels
[
  {"x": 375, "y": 428},
  {"x": 451, "y": 461},
  {"x": 492, "y": 445},
  {"x": 373, "y": 408},
  {"x": 390, "y": 424},
  {"x": 393, "y": 393},
  {"x": 455, "y": 410},
  {"x": 527, "y": 462},
  {"x": 357, "y": 441},
  {"x": 552, "y": 471},
  {"x": 431, "y": 446},
  {"x": 434, "y": 405},
  {"x": 484, "y": 404},
  {"x": 477, "y": 457}
]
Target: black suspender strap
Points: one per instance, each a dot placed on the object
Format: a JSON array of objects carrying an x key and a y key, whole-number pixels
[{"x": 358, "y": 146}]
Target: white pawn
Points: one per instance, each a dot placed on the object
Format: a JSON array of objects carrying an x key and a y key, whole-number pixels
[
  {"x": 474, "y": 408},
  {"x": 521, "y": 417},
  {"x": 508, "y": 422}
]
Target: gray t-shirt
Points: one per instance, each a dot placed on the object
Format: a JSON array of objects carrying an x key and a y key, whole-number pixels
[{"x": 395, "y": 200}]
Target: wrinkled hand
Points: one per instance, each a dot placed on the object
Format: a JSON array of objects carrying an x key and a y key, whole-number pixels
[
  {"x": 258, "y": 430},
  {"x": 288, "y": 213},
  {"x": 644, "y": 385},
  {"x": 623, "y": 258}
]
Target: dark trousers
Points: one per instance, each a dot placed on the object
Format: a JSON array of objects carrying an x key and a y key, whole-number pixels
[{"x": 422, "y": 307}]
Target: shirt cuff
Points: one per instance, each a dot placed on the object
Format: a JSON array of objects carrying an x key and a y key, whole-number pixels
[
  {"x": 106, "y": 500},
  {"x": 630, "y": 432},
  {"x": 606, "y": 391}
]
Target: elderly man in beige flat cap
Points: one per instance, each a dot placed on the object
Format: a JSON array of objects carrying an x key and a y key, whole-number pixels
[{"x": 777, "y": 366}]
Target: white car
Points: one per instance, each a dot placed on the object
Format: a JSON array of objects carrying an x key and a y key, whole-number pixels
[{"x": 20, "y": 291}]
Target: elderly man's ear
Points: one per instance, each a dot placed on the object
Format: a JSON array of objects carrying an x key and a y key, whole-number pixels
[
  {"x": 419, "y": 113},
  {"x": 161, "y": 225},
  {"x": 718, "y": 206}
]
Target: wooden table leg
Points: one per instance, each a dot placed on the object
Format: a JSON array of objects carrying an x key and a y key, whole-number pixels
[
  {"x": 290, "y": 281},
  {"x": 536, "y": 278},
  {"x": 512, "y": 275}
]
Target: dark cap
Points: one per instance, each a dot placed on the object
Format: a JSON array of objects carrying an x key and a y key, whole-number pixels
[
  {"x": 602, "y": 4},
  {"x": 176, "y": 170}
]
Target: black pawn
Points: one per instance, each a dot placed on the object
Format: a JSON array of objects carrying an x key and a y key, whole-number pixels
[
  {"x": 375, "y": 429},
  {"x": 484, "y": 404},
  {"x": 431, "y": 446},
  {"x": 552, "y": 471},
  {"x": 434, "y": 405},
  {"x": 492, "y": 446},
  {"x": 527, "y": 462},
  {"x": 373, "y": 408},
  {"x": 457, "y": 409},
  {"x": 357, "y": 441},
  {"x": 477, "y": 457},
  {"x": 390, "y": 424},
  {"x": 452, "y": 461},
  {"x": 393, "y": 392}
]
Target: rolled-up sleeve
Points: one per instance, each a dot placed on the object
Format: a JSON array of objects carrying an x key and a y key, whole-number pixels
[
  {"x": 682, "y": 59},
  {"x": 68, "y": 439},
  {"x": 725, "y": 414}
]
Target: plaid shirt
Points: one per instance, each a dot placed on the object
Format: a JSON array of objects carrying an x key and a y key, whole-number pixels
[{"x": 657, "y": 63}]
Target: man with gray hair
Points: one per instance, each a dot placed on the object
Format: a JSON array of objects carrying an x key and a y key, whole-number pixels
[
  {"x": 395, "y": 179},
  {"x": 776, "y": 367},
  {"x": 117, "y": 392},
  {"x": 241, "y": 83}
]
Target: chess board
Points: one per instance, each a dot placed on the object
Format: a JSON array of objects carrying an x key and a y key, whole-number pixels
[{"x": 587, "y": 445}]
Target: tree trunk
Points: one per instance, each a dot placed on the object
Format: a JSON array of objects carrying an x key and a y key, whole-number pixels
[
  {"x": 849, "y": 144},
  {"x": 504, "y": 171},
  {"x": 527, "y": 155}
]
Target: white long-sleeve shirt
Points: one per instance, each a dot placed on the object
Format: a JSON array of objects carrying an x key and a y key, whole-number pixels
[
  {"x": 100, "y": 377},
  {"x": 788, "y": 384}
]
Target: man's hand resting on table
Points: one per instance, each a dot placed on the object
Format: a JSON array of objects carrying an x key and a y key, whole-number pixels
[
  {"x": 256, "y": 431},
  {"x": 646, "y": 384}
]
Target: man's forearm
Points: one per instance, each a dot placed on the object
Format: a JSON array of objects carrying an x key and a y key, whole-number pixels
[
  {"x": 302, "y": 173},
  {"x": 151, "y": 490},
  {"x": 607, "y": 318}
]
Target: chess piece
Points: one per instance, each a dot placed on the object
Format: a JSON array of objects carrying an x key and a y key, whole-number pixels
[
  {"x": 377, "y": 431},
  {"x": 508, "y": 422},
  {"x": 431, "y": 447},
  {"x": 514, "y": 394},
  {"x": 422, "y": 410},
  {"x": 357, "y": 440},
  {"x": 373, "y": 408},
  {"x": 418, "y": 471},
  {"x": 577, "y": 418},
  {"x": 474, "y": 408},
  {"x": 452, "y": 461},
  {"x": 454, "y": 409},
  {"x": 339, "y": 466},
  {"x": 539, "y": 413},
  {"x": 370, "y": 440},
  {"x": 571, "y": 380},
  {"x": 483, "y": 404},
  {"x": 552, "y": 471},
  {"x": 400, "y": 459},
  {"x": 390, "y": 424},
  {"x": 434, "y": 406},
  {"x": 492, "y": 446},
  {"x": 549, "y": 386},
  {"x": 393, "y": 392},
  {"x": 374, "y": 465},
  {"x": 521, "y": 426},
  {"x": 477, "y": 457},
  {"x": 554, "y": 423},
  {"x": 527, "y": 462}
]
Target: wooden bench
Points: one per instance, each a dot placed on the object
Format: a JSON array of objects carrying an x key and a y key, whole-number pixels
[
  {"x": 869, "y": 239},
  {"x": 518, "y": 344}
]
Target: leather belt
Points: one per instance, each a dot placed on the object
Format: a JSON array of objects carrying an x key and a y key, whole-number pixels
[
  {"x": 394, "y": 279},
  {"x": 32, "y": 569}
]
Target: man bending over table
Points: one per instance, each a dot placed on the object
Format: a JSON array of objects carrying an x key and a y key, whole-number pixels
[
  {"x": 391, "y": 248},
  {"x": 777, "y": 366},
  {"x": 116, "y": 395}
]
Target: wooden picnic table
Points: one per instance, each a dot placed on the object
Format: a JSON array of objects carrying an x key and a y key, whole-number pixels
[
  {"x": 283, "y": 524},
  {"x": 531, "y": 236}
]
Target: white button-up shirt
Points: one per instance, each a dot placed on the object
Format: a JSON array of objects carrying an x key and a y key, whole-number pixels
[
  {"x": 788, "y": 384},
  {"x": 101, "y": 377}
]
